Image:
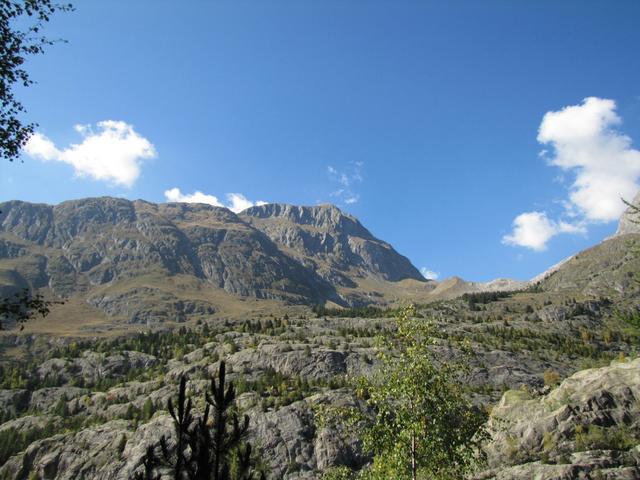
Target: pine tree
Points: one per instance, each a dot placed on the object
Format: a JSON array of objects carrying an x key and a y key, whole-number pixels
[
  {"x": 211, "y": 447},
  {"x": 147, "y": 409}
]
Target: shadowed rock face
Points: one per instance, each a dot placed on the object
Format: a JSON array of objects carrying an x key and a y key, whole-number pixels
[
  {"x": 333, "y": 242},
  {"x": 296, "y": 254}
]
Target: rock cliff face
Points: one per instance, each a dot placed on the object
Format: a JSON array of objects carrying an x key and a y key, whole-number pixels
[
  {"x": 100, "y": 247},
  {"x": 588, "y": 427},
  {"x": 97, "y": 241},
  {"x": 330, "y": 242}
]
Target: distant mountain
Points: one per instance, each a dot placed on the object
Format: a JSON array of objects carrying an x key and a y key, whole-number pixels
[
  {"x": 606, "y": 268},
  {"x": 456, "y": 286},
  {"x": 145, "y": 262}
]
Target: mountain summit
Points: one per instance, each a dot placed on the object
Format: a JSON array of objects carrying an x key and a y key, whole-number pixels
[
  {"x": 332, "y": 243},
  {"x": 145, "y": 262}
]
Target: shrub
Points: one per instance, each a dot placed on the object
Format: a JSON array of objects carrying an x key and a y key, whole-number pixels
[{"x": 551, "y": 378}]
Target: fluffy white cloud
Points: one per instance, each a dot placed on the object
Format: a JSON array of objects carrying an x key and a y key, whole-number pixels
[
  {"x": 534, "y": 229},
  {"x": 113, "y": 153},
  {"x": 583, "y": 142},
  {"x": 175, "y": 195},
  {"x": 236, "y": 202},
  {"x": 429, "y": 274}
]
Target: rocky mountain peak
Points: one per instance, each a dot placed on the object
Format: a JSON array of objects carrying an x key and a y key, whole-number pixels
[
  {"x": 330, "y": 242},
  {"x": 325, "y": 217},
  {"x": 121, "y": 255}
]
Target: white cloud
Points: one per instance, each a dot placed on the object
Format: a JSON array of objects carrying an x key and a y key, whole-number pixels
[
  {"x": 429, "y": 274},
  {"x": 175, "y": 195},
  {"x": 347, "y": 181},
  {"x": 534, "y": 229},
  {"x": 114, "y": 153},
  {"x": 40, "y": 147},
  {"x": 236, "y": 202},
  {"x": 583, "y": 142}
]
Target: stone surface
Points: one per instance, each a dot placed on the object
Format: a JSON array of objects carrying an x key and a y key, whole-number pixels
[
  {"x": 588, "y": 427},
  {"x": 120, "y": 256}
]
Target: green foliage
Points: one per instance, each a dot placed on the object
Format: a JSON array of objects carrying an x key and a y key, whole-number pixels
[
  {"x": 60, "y": 408},
  {"x": 630, "y": 317},
  {"x": 208, "y": 447},
  {"x": 24, "y": 305},
  {"x": 549, "y": 444},
  {"x": 355, "y": 312},
  {"x": 601, "y": 438},
  {"x": 277, "y": 389},
  {"x": 13, "y": 441},
  {"x": 420, "y": 425},
  {"x": 21, "y": 22},
  {"x": 484, "y": 297},
  {"x": 147, "y": 409},
  {"x": 338, "y": 473},
  {"x": 522, "y": 339},
  {"x": 424, "y": 424},
  {"x": 551, "y": 378},
  {"x": 272, "y": 327}
]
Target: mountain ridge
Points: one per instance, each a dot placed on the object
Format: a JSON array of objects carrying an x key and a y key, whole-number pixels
[{"x": 114, "y": 252}]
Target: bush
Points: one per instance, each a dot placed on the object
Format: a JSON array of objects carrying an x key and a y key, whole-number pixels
[
  {"x": 551, "y": 378},
  {"x": 601, "y": 438}
]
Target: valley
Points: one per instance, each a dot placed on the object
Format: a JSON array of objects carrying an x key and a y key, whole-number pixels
[{"x": 295, "y": 300}]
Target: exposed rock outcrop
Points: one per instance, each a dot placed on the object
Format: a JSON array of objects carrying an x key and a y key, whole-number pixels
[
  {"x": 121, "y": 256},
  {"x": 588, "y": 427},
  {"x": 330, "y": 240}
]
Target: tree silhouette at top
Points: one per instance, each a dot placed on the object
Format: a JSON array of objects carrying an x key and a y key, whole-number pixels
[
  {"x": 23, "y": 306},
  {"x": 21, "y": 24}
]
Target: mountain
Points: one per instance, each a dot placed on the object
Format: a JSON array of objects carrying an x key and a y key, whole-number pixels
[
  {"x": 629, "y": 221},
  {"x": 330, "y": 242},
  {"x": 605, "y": 269},
  {"x": 88, "y": 404},
  {"x": 143, "y": 262},
  {"x": 455, "y": 286},
  {"x": 339, "y": 249}
]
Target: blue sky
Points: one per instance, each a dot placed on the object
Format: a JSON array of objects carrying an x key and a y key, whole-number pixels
[{"x": 420, "y": 118}]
